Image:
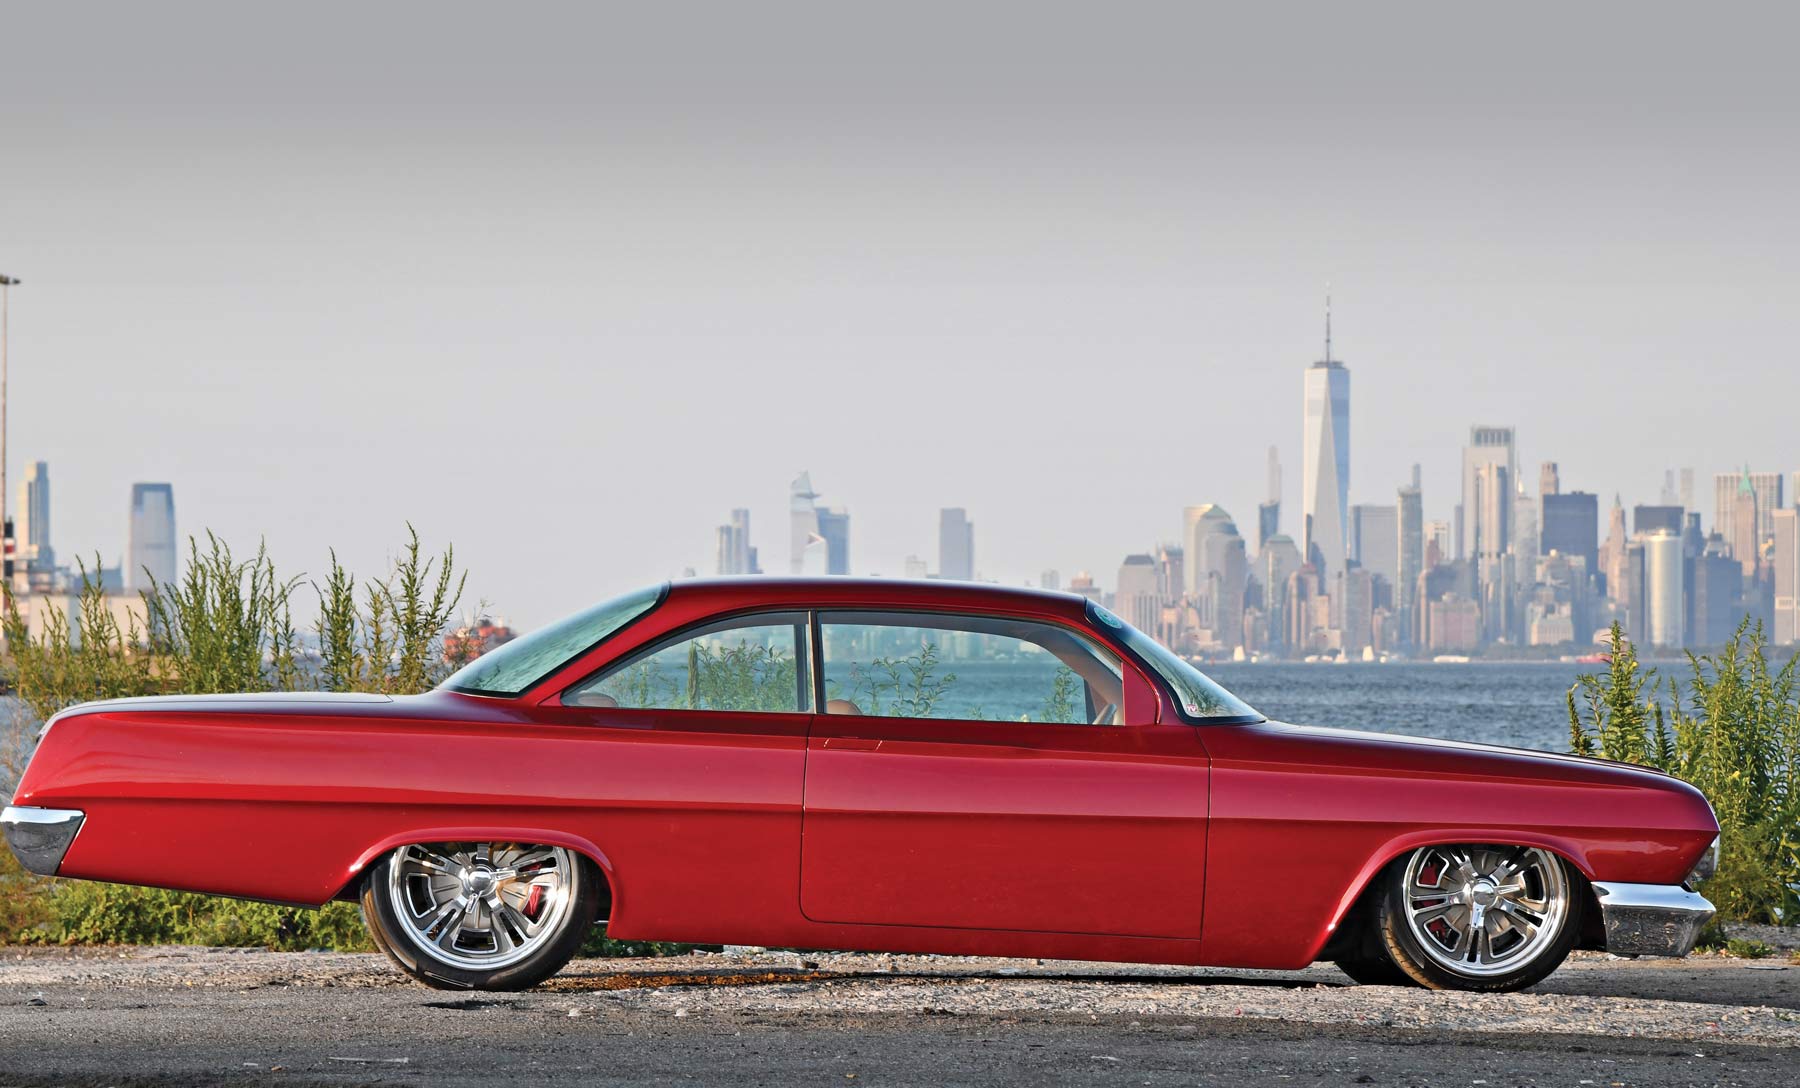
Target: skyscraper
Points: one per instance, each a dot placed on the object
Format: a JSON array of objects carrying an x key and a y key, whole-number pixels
[
  {"x": 804, "y": 541},
  {"x": 1268, "y": 515},
  {"x": 1649, "y": 519},
  {"x": 1217, "y": 569},
  {"x": 1492, "y": 504},
  {"x": 1612, "y": 557},
  {"x": 1572, "y": 526},
  {"x": 1664, "y": 591},
  {"x": 1375, "y": 539},
  {"x": 834, "y": 527},
  {"x": 956, "y": 545},
  {"x": 1549, "y": 479},
  {"x": 1325, "y": 474},
  {"x": 152, "y": 548},
  {"x": 1768, "y": 488},
  {"x": 1410, "y": 513},
  {"x": 33, "y": 527},
  {"x": 1787, "y": 576},
  {"x": 735, "y": 555},
  {"x": 1487, "y": 446},
  {"x": 1746, "y": 512},
  {"x": 1136, "y": 599}
]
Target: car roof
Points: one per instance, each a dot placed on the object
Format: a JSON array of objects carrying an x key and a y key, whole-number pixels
[{"x": 839, "y": 591}]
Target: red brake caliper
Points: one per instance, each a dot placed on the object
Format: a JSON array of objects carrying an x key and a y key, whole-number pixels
[{"x": 534, "y": 902}]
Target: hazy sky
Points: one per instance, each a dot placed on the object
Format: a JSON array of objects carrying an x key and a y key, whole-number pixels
[{"x": 563, "y": 285}]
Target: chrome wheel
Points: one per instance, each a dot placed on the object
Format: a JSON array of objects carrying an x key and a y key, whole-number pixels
[
  {"x": 1481, "y": 911},
  {"x": 480, "y": 906}
]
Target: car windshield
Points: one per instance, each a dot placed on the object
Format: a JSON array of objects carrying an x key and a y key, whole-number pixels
[
  {"x": 1197, "y": 696},
  {"x": 521, "y": 663}
]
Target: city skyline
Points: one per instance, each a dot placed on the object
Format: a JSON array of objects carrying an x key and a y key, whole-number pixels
[{"x": 1064, "y": 282}]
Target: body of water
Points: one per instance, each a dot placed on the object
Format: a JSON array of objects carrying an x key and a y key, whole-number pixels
[{"x": 1522, "y": 705}]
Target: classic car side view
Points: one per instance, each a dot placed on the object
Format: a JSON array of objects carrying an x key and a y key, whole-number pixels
[{"x": 875, "y": 765}]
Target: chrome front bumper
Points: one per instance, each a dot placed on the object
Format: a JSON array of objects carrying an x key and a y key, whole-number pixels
[
  {"x": 39, "y": 837},
  {"x": 1651, "y": 919}
]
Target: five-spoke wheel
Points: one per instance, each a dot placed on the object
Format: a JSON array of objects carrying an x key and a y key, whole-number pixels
[
  {"x": 477, "y": 915},
  {"x": 1479, "y": 917}
]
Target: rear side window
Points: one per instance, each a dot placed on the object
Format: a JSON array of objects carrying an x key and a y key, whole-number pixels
[
  {"x": 980, "y": 668},
  {"x": 518, "y": 665},
  {"x": 748, "y": 664}
]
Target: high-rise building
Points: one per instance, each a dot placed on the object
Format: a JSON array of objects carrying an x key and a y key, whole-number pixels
[
  {"x": 834, "y": 526},
  {"x": 1718, "y": 596},
  {"x": 1410, "y": 515},
  {"x": 956, "y": 545},
  {"x": 152, "y": 549},
  {"x": 1268, "y": 515},
  {"x": 1572, "y": 526},
  {"x": 1275, "y": 565},
  {"x": 1664, "y": 589},
  {"x": 1684, "y": 492},
  {"x": 1137, "y": 599},
  {"x": 1219, "y": 570},
  {"x": 1198, "y": 523},
  {"x": 1612, "y": 556},
  {"x": 735, "y": 555},
  {"x": 1487, "y": 446},
  {"x": 33, "y": 527},
  {"x": 1325, "y": 474},
  {"x": 1491, "y": 502},
  {"x": 1767, "y": 486},
  {"x": 1650, "y": 519},
  {"x": 1375, "y": 539},
  {"x": 1786, "y": 562},
  {"x": 915, "y": 567},
  {"x": 1549, "y": 479},
  {"x": 1746, "y": 539},
  {"x": 806, "y": 548},
  {"x": 1438, "y": 538},
  {"x": 1050, "y": 579},
  {"x": 1171, "y": 572},
  {"x": 1634, "y": 598}
]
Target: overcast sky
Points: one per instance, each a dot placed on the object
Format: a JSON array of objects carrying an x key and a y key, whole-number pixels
[{"x": 563, "y": 285}]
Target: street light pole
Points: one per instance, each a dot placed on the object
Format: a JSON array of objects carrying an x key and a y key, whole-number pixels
[{"x": 6, "y": 534}]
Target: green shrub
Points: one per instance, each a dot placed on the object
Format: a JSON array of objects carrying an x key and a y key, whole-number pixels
[{"x": 1733, "y": 731}]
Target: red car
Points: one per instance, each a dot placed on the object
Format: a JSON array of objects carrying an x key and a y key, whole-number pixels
[{"x": 868, "y": 764}]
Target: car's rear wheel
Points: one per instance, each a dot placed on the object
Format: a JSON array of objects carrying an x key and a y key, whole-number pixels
[
  {"x": 1479, "y": 917},
  {"x": 481, "y": 915}
]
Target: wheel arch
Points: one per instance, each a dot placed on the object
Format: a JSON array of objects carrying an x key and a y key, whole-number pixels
[
  {"x": 1397, "y": 848},
  {"x": 485, "y": 833}
]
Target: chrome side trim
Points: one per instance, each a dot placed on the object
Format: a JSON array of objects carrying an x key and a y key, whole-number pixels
[
  {"x": 39, "y": 837},
  {"x": 1651, "y": 919}
]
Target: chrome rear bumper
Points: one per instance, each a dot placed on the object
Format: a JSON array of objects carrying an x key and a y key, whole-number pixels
[
  {"x": 1651, "y": 919},
  {"x": 39, "y": 837}
]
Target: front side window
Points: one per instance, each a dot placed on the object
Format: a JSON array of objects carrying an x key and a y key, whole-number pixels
[
  {"x": 981, "y": 668},
  {"x": 755, "y": 664},
  {"x": 518, "y": 665},
  {"x": 1198, "y": 696}
]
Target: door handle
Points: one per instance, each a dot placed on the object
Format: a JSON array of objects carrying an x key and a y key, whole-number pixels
[{"x": 852, "y": 744}]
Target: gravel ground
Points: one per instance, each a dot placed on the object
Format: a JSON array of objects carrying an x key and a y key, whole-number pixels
[{"x": 204, "y": 1016}]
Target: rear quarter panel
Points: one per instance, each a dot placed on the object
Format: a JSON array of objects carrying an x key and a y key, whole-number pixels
[{"x": 291, "y": 807}]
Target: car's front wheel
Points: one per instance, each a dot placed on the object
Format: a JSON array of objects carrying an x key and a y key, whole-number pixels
[
  {"x": 478, "y": 915},
  {"x": 1479, "y": 917}
]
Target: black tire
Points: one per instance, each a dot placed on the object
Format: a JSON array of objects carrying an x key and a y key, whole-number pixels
[
  {"x": 1375, "y": 971},
  {"x": 586, "y": 892},
  {"x": 1409, "y": 955}
]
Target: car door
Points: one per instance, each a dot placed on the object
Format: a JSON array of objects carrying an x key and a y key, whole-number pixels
[
  {"x": 696, "y": 747},
  {"x": 958, "y": 779}
]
